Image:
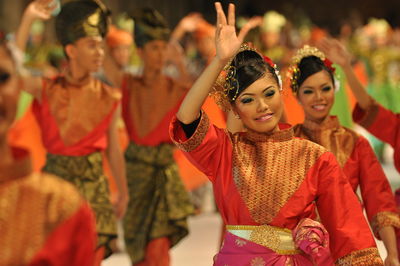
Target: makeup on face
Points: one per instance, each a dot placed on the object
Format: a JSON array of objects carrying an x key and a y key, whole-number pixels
[
  {"x": 260, "y": 106},
  {"x": 316, "y": 95}
]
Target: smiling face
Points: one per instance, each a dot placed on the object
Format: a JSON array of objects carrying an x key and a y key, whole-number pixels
[
  {"x": 8, "y": 92},
  {"x": 260, "y": 105},
  {"x": 316, "y": 95}
]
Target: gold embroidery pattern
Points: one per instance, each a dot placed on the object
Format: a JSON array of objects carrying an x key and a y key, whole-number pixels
[
  {"x": 330, "y": 134},
  {"x": 268, "y": 171},
  {"x": 198, "y": 136},
  {"x": 76, "y": 108},
  {"x": 364, "y": 257},
  {"x": 30, "y": 209},
  {"x": 240, "y": 242},
  {"x": 280, "y": 240},
  {"x": 382, "y": 219},
  {"x": 258, "y": 261}
]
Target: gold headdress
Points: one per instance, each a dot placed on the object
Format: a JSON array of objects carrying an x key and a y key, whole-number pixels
[
  {"x": 306, "y": 51},
  {"x": 82, "y": 18},
  {"x": 227, "y": 80},
  {"x": 149, "y": 25}
]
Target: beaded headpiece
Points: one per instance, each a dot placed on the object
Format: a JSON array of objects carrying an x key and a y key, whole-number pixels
[
  {"x": 227, "y": 80},
  {"x": 306, "y": 51}
]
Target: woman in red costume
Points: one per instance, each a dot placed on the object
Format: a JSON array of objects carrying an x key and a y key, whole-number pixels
[
  {"x": 266, "y": 182},
  {"x": 78, "y": 114},
  {"x": 43, "y": 219},
  {"x": 313, "y": 83},
  {"x": 379, "y": 121}
]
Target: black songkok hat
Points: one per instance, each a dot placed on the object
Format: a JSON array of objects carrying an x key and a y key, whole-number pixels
[
  {"x": 149, "y": 25},
  {"x": 81, "y": 18}
]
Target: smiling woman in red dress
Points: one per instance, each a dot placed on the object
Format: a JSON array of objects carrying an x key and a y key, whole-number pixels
[
  {"x": 312, "y": 82},
  {"x": 266, "y": 182}
]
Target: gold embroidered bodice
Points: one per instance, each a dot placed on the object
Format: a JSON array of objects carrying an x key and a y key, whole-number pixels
[{"x": 269, "y": 168}]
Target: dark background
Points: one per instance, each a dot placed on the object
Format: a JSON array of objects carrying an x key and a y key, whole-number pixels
[{"x": 329, "y": 14}]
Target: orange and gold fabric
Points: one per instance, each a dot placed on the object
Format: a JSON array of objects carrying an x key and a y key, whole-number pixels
[
  {"x": 277, "y": 180},
  {"x": 360, "y": 166},
  {"x": 383, "y": 124},
  {"x": 43, "y": 219},
  {"x": 74, "y": 118}
]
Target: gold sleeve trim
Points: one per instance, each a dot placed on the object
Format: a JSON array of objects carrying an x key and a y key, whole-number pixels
[
  {"x": 383, "y": 219},
  {"x": 363, "y": 257},
  {"x": 198, "y": 136}
]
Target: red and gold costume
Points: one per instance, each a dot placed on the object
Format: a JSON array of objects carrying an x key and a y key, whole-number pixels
[
  {"x": 43, "y": 219},
  {"x": 74, "y": 120},
  {"x": 360, "y": 165},
  {"x": 273, "y": 181},
  {"x": 383, "y": 124}
]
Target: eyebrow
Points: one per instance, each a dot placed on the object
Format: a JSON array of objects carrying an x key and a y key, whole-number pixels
[{"x": 251, "y": 94}]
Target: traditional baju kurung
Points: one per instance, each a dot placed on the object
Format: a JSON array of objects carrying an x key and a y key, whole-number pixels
[
  {"x": 360, "y": 165},
  {"x": 267, "y": 184}
]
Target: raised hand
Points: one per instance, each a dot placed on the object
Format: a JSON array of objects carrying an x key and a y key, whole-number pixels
[
  {"x": 41, "y": 9},
  {"x": 335, "y": 51},
  {"x": 227, "y": 42},
  {"x": 251, "y": 24},
  {"x": 189, "y": 23}
]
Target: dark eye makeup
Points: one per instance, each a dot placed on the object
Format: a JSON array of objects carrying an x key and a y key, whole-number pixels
[{"x": 4, "y": 76}]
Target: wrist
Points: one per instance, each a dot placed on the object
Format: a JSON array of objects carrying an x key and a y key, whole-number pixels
[{"x": 220, "y": 61}]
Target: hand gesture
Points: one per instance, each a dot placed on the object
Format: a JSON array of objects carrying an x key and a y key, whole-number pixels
[
  {"x": 335, "y": 51},
  {"x": 190, "y": 22},
  {"x": 41, "y": 9},
  {"x": 227, "y": 42},
  {"x": 253, "y": 23}
]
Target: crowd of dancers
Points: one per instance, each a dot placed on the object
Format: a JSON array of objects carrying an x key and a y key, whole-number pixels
[{"x": 125, "y": 120}]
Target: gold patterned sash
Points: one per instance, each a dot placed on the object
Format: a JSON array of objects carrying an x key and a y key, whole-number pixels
[{"x": 278, "y": 239}]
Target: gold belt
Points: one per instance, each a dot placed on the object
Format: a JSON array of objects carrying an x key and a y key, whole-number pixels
[{"x": 278, "y": 239}]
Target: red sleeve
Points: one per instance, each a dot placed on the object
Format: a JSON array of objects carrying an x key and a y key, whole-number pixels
[
  {"x": 72, "y": 243},
  {"x": 376, "y": 192},
  {"x": 382, "y": 123},
  {"x": 341, "y": 214},
  {"x": 207, "y": 148}
]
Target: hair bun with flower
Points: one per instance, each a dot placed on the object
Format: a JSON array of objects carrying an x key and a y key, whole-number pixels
[
  {"x": 227, "y": 82},
  {"x": 306, "y": 51}
]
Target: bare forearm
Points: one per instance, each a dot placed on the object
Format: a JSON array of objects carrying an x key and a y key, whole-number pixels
[
  {"x": 21, "y": 38},
  {"x": 178, "y": 33},
  {"x": 388, "y": 237},
  {"x": 191, "y": 105},
  {"x": 363, "y": 99},
  {"x": 117, "y": 165}
]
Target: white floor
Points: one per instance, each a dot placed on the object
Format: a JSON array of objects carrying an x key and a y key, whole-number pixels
[{"x": 201, "y": 245}]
